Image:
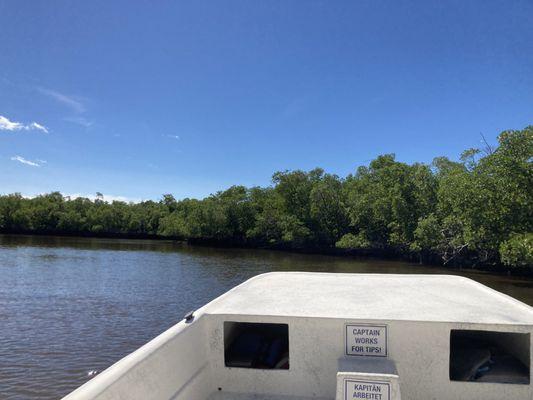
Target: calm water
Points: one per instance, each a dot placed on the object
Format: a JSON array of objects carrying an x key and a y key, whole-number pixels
[{"x": 69, "y": 306}]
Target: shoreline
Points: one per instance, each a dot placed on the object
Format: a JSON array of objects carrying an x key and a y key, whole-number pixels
[{"x": 369, "y": 254}]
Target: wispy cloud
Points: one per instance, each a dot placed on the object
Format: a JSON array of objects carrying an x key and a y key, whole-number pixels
[
  {"x": 172, "y": 137},
  {"x": 35, "y": 125},
  {"x": 22, "y": 160},
  {"x": 7, "y": 125},
  {"x": 80, "y": 121},
  {"x": 75, "y": 103},
  {"x": 72, "y": 102}
]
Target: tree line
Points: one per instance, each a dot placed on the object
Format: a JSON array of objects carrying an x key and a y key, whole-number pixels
[{"x": 476, "y": 211}]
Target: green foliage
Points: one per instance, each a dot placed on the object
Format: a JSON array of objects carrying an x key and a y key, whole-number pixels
[
  {"x": 518, "y": 250},
  {"x": 476, "y": 211},
  {"x": 428, "y": 234},
  {"x": 386, "y": 200},
  {"x": 486, "y": 202},
  {"x": 353, "y": 242},
  {"x": 328, "y": 208}
]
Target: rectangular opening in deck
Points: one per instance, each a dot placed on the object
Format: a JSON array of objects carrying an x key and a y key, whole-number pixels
[
  {"x": 256, "y": 345},
  {"x": 488, "y": 356}
]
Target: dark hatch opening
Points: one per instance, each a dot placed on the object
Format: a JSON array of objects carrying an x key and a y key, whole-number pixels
[
  {"x": 256, "y": 345},
  {"x": 487, "y": 356}
]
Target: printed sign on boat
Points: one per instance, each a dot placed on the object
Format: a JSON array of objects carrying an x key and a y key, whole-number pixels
[
  {"x": 366, "y": 390},
  {"x": 366, "y": 340}
]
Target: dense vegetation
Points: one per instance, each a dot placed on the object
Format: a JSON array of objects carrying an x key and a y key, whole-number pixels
[{"x": 478, "y": 211}]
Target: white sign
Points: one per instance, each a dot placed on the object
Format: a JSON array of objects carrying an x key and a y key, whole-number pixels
[
  {"x": 366, "y": 340},
  {"x": 366, "y": 390}
]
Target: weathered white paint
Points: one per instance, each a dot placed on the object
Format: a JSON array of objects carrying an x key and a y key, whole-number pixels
[{"x": 187, "y": 361}]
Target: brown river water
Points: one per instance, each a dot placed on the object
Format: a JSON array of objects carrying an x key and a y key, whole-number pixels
[{"x": 71, "y": 307}]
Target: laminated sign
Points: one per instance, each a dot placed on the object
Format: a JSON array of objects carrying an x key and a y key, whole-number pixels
[
  {"x": 366, "y": 390},
  {"x": 366, "y": 340}
]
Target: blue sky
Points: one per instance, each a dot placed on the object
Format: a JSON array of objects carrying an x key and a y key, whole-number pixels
[{"x": 139, "y": 98}]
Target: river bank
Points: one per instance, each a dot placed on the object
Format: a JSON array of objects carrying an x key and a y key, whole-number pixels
[{"x": 430, "y": 260}]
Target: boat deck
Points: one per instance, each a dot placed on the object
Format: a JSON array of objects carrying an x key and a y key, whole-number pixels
[
  {"x": 323, "y": 336},
  {"x": 431, "y": 298}
]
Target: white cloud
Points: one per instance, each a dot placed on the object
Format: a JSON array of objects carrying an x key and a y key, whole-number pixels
[
  {"x": 35, "y": 125},
  {"x": 28, "y": 162},
  {"x": 173, "y": 137},
  {"x": 107, "y": 197},
  {"x": 7, "y": 125},
  {"x": 69, "y": 101}
]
